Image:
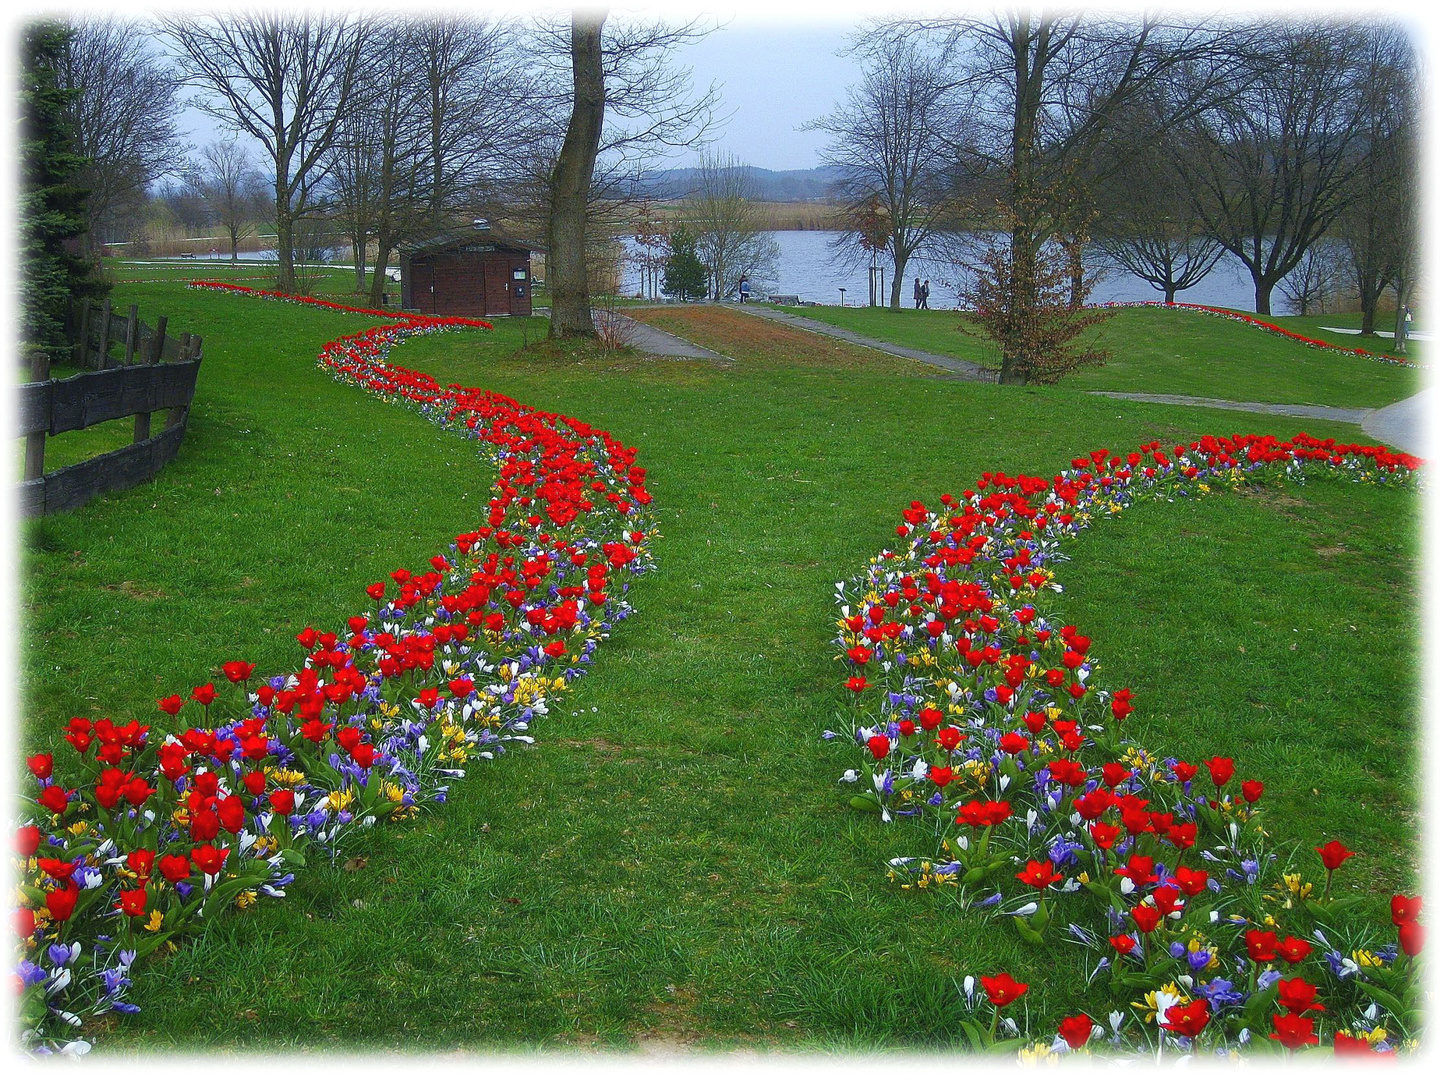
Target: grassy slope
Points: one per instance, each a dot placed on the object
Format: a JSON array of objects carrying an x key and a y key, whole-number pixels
[
  {"x": 1166, "y": 352},
  {"x": 674, "y": 860}
]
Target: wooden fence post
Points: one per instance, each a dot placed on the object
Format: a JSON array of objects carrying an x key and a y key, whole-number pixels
[
  {"x": 142, "y": 420},
  {"x": 102, "y": 359},
  {"x": 189, "y": 349},
  {"x": 35, "y": 443},
  {"x": 132, "y": 333},
  {"x": 82, "y": 359}
]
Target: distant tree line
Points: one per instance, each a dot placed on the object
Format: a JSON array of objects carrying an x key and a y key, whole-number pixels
[
  {"x": 342, "y": 129},
  {"x": 1159, "y": 143}
]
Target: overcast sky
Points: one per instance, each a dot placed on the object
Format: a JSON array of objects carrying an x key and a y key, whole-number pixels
[
  {"x": 774, "y": 76},
  {"x": 776, "y": 62}
]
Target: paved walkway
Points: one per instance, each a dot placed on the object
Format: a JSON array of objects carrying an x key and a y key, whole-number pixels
[
  {"x": 653, "y": 340},
  {"x": 1403, "y": 425},
  {"x": 963, "y": 368},
  {"x": 649, "y": 339},
  {"x": 1406, "y": 424}
]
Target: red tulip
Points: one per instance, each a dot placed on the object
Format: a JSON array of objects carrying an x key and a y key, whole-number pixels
[
  {"x": 1261, "y": 945},
  {"x": 27, "y": 841},
  {"x": 879, "y": 746},
  {"x": 208, "y": 858},
  {"x": 1347, "y": 1045},
  {"x": 1251, "y": 790},
  {"x": 1002, "y": 989},
  {"x": 41, "y": 765},
  {"x": 171, "y": 704},
  {"x": 142, "y": 861},
  {"x": 1293, "y": 950},
  {"x": 1188, "y": 1020},
  {"x": 175, "y": 868},
  {"x": 1293, "y": 1032},
  {"x": 237, "y": 670},
  {"x": 132, "y": 901},
  {"x": 1076, "y": 1030},
  {"x": 61, "y": 902},
  {"x": 1124, "y": 944},
  {"x": 1404, "y": 909},
  {"x": 1298, "y": 996},
  {"x": 1333, "y": 854},
  {"x": 1039, "y": 875},
  {"x": 54, "y": 798},
  {"x": 1412, "y": 938},
  {"x": 1146, "y": 917},
  {"x": 203, "y": 694},
  {"x": 283, "y": 801},
  {"x": 1221, "y": 770}
]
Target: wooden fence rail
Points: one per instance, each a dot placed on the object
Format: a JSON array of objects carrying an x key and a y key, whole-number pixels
[
  {"x": 97, "y": 330},
  {"x": 139, "y": 389}
]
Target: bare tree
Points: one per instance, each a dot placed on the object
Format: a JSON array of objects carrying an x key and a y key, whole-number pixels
[
  {"x": 729, "y": 230},
  {"x": 1378, "y": 229},
  {"x": 1314, "y": 282},
  {"x": 890, "y": 145},
  {"x": 566, "y": 268},
  {"x": 1147, "y": 223},
  {"x": 1039, "y": 93},
  {"x": 123, "y": 110},
  {"x": 608, "y": 98},
  {"x": 231, "y": 187},
  {"x": 284, "y": 79},
  {"x": 475, "y": 92},
  {"x": 1274, "y": 167}
]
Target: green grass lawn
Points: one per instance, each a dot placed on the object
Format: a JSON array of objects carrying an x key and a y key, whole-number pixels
[
  {"x": 1166, "y": 352},
  {"x": 674, "y": 861}
]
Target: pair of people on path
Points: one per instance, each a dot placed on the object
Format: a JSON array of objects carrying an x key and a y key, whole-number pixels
[{"x": 922, "y": 295}]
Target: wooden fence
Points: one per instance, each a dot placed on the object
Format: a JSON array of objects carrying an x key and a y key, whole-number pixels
[{"x": 136, "y": 387}]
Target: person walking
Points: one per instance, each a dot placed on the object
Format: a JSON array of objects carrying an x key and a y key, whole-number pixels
[
  {"x": 925, "y": 295},
  {"x": 744, "y": 289},
  {"x": 918, "y": 296}
]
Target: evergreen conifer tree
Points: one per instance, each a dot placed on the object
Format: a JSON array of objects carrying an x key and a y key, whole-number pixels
[
  {"x": 52, "y": 204},
  {"x": 684, "y": 272}
]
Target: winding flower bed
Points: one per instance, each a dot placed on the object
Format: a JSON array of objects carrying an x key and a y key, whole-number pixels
[
  {"x": 134, "y": 837},
  {"x": 1251, "y": 320},
  {"x": 978, "y": 714}
]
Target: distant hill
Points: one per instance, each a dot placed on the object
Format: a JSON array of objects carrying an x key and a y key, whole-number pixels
[{"x": 788, "y": 185}]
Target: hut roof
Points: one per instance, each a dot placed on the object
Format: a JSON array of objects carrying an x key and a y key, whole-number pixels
[{"x": 457, "y": 239}]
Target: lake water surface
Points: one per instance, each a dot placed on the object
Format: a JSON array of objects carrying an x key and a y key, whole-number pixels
[{"x": 810, "y": 268}]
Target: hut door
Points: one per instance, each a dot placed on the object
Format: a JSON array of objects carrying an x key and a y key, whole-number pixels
[
  {"x": 422, "y": 288},
  {"x": 497, "y": 285}
]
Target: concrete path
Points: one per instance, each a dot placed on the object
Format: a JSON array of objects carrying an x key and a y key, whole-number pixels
[
  {"x": 963, "y": 368},
  {"x": 1403, "y": 425},
  {"x": 1309, "y": 412},
  {"x": 649, "y": 339},
  {"x": 1406, "y": 424},
  {"x": 653, "y": 340}
]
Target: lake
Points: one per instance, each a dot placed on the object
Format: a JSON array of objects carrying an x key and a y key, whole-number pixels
[{"x": 809, "y": 268}]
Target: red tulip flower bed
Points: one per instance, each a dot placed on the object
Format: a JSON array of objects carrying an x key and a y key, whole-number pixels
[
  {"x": 130, "y": 838},
  {"x": 980, "y": 714},
  {"x": 1252, "y": 320}
]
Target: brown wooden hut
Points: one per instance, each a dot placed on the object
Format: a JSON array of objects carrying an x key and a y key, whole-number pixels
[{"x": 475, "y": 272}]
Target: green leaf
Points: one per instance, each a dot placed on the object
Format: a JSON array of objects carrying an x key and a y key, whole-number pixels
[
  {"x": 1027, "y": 934},
  {"x": 292, "y": 857}
]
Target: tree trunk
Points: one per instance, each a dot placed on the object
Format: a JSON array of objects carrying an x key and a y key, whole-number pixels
[
  {"x": 1402, "y": 302},
  {"x": 1169, "y": 292},
  {"x": 284, "y": 249},
  {"x": 897, "y": 285},
  {"x": 1263, "y": 289},
  {"x": 569, "y": 279},
  {"x": 384, "y": 243}
]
